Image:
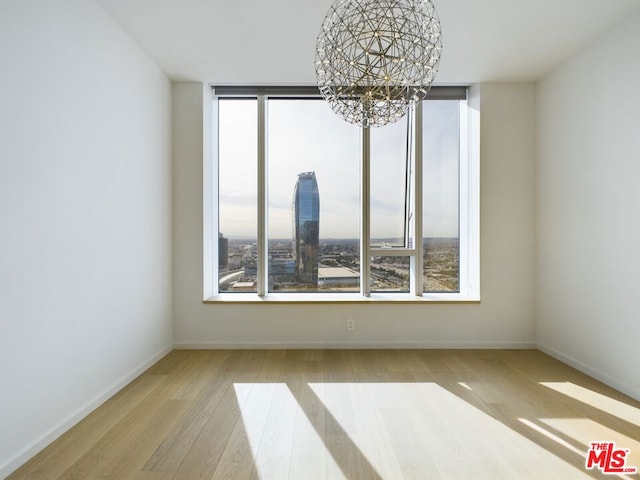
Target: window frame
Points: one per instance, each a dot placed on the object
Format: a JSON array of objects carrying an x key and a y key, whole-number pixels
[{"x": 468, "y": 235}]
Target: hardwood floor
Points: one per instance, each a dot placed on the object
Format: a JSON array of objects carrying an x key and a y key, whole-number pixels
[{"x": 356, "y": 414}]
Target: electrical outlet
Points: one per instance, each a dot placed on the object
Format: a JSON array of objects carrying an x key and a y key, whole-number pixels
[{"x": 351, "y": 324}]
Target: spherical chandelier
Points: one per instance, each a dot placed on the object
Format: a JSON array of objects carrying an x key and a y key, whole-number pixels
[{"x": 375, "y": 58}]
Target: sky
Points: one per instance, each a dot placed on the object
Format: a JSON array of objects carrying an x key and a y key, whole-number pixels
[{"x": 304, "y": 136}]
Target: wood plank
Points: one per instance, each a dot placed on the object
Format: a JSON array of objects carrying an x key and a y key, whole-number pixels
[
  {"x": 413, "y": 458},
  {"x": 148, "y": 436},
  {"x": 206, "y": 451},
  {"x": 344, "y": 462},
  {"x": 175, "y": 446},
  {"x": 309, "y": 453},
  {"x": 238, "y": 459}
]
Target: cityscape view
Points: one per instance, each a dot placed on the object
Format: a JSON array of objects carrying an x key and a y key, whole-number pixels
[
  {"x": 338, "y": 267},
  {"x": 313, "y": 204}
]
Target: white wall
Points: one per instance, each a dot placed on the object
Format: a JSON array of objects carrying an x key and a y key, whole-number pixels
[
  {"x": 504, "y": 318},
  {"x": 588, "y": 220},
  {"x": 85, "y": 217}
]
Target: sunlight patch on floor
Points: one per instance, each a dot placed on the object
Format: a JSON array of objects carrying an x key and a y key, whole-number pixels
[
  {"x": 407, "y": 429},
  {"x": 597, "y": 400},
  {"x": 272, "y": 419},
  {"x": 402, "y": 430},
  {"x": 553, "y": 437}
]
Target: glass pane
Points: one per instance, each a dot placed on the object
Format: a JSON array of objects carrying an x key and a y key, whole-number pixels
[
  {"x": 389, "y": 187},
  {"x": 390, "y": 274},
  {"x": 440, "y": 208},
  {"x": 314, "y": 198},
  {"x": 238, "y": 200}
]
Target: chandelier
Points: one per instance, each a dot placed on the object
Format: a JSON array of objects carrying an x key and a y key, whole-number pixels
[{"x": 376, "y": 58}]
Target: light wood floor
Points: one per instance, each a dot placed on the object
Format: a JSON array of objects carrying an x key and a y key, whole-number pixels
[{"x": 356, "y": 414}]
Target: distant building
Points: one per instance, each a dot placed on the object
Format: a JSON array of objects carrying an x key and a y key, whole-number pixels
[
  {"x": 243, "y": 287},
  {"x": 306, "y": 229},
  {"x": 223, "y": 251},
  {"x": 282, "y": 267},
  {"x": 338, "y": 276},
  {"x": 282, "y": 271}
]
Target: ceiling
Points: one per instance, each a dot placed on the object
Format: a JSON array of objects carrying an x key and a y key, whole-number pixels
[{"x": 273, "y": 41}]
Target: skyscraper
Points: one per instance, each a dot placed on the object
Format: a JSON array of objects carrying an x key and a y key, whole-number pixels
[
  {"x": 306, "y": 219},
  {"x": 223, "y": 251}
]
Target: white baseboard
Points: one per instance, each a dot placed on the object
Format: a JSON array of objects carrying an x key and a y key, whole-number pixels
[
  {"x": 592, "y": 372},
  {"x": 351, "y": 345},
  {"x": 38, "y": 445}
]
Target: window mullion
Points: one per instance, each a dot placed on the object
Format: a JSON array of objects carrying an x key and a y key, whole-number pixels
[
  {"x": 365, "y": 226},
  {"x": 211, "y": 206},
  {"x": 416, "y": 264},
  {"x": 262, "y": 262}
]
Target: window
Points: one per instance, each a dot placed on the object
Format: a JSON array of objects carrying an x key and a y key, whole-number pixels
[{"x": 308, "y": 207}]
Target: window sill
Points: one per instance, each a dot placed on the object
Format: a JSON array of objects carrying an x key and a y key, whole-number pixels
[{"x": 288, "y": 298}]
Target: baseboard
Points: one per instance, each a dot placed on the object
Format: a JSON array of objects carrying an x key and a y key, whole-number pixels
[
  {"x": 589, "y": 370},
  {"x": 352, "y": 345},
  {"x": 31, "y": 450}
]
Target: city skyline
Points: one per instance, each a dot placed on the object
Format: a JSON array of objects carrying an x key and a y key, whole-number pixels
[{"x": 339, "y": 267}]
